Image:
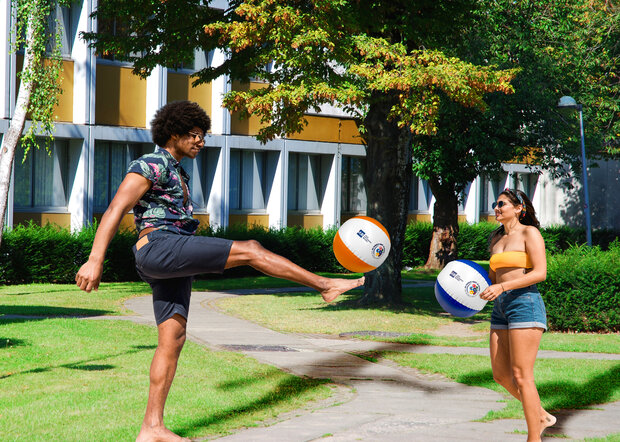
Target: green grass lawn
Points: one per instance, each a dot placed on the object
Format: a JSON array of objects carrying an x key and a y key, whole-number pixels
[
  {"x": 67, "y": 378},
  {"x": 421, "y": 317},
  {"x": 562, "y": 383},
  {"x": 91, "y": 376}
]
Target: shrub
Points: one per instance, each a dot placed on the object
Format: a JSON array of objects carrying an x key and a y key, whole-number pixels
[
  {"x": 417, "y": 244},
  {"x": 473, "y": 242},
  {"x": 582, "y": 289},
  {"x": 32, "y": 253}
]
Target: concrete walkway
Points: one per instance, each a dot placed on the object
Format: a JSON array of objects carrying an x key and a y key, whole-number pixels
[{"x": 373, "y": 401}]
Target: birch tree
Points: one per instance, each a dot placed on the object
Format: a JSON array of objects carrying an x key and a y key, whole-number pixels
[{"x": 39, "y": 86}]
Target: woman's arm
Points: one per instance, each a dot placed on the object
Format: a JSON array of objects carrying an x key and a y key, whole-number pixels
[{"x": 129, "y": 192}]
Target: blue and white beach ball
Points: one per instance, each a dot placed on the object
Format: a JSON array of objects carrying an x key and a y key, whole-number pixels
[{"x": 458, "y": 287}]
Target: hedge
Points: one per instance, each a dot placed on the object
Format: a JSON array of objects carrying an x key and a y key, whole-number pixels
[
  {"x": 582, "y": 289},
  {"x": 50, "y": 254}
]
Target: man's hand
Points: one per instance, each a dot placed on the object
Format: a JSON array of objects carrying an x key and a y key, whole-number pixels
[{"x": 89, "y": 276}]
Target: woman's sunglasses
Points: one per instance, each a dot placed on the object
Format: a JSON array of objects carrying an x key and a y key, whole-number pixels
[{"x": 500, "y": 204}]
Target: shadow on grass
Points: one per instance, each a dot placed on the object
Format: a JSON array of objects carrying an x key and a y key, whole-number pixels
[
  {"x": 86, "y": 364},
  {"x": 22, "y": 313},
  {"x": 420, "y": 301},
  {"x": 11, "y": 342},
  {"x": 567, "y": 396},
  {"x": 563, "y": 394},
  {"x": 292, "y": 387},
  {"x": 283, "y": 392}
]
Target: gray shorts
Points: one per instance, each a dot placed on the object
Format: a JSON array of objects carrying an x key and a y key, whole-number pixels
[{"x": 169, "y": 261}]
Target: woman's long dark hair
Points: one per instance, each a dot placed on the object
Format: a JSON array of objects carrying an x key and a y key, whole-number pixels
[{"x": 527, "y": 217}]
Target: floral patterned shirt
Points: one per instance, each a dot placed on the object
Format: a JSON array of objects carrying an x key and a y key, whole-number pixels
[{"x": 163, "y": 206}]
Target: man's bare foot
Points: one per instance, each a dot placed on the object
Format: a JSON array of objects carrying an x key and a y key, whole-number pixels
[
  {"x": 338, "y": 286},
  {"x": 159, "y": 434},
  {"x": 547, "y": 421}
]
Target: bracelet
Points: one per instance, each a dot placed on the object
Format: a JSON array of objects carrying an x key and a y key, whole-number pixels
[{"x": 502, "y": 286}]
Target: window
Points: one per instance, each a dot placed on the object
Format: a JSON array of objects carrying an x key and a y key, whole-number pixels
[
  {"x": 111, "y": 161},
  {"x": 116, "y": 26},
  {"x": 64, "y": 21},
  {"x": 490, "y": 190},
  {"x": 251, "y": 177},
  {"x": 413, "y": 194},
  {"x": 41, "y": 181},
  {"x": 307, "y": 178},
  {"x": 463, "y": 197},
  {"x": 353, "y": 188},
  {"x": 524, "y": 181},
  {"x": 420, "y": 196},
  {"x": 202, "y": 173}
]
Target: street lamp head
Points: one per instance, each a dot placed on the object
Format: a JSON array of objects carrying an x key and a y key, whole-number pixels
[{"x": 567, "y": 101}]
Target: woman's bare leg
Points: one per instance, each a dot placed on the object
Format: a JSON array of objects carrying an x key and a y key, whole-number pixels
[
  {"x": 501, "y": 362},
  {"x": 253, "y": 254}
]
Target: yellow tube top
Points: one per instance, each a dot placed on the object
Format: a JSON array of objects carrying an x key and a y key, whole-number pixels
[{"x": 510, "y": 259}]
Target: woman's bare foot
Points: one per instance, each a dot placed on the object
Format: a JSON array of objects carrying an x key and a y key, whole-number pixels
[
  {"x": 338, "y": 286},
  {"x": 547, "y": 421},
  {"x": 159, "y": 434}
]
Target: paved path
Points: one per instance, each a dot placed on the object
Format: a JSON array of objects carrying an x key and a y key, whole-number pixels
[{"x": 374, "y": 401}]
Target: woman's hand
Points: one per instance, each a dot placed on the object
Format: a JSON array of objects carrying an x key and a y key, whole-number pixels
[{"x": 492, "y": 292}]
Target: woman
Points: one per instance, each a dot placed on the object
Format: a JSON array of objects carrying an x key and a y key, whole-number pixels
[{"x": 519, "y": 318}]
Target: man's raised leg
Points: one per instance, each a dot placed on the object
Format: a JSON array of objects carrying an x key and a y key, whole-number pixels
[
  {"x": 253, "y": 254},
  {"x": 171, "y": 337}
]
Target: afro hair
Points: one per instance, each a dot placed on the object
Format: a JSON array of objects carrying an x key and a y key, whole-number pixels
[{"x": 178, "y": 118}]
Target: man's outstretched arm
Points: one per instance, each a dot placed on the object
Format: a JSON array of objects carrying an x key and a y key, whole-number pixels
[{"x": 129, "y": 192}]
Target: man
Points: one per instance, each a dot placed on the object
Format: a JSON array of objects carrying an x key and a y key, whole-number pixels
[{"x": 168, "y": 254}]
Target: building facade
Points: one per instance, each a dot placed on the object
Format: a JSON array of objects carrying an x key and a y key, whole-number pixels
[{"x": 309, "y": 179}]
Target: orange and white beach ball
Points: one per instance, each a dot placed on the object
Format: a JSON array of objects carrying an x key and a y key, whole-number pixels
[{"x": 361, "y": 244}]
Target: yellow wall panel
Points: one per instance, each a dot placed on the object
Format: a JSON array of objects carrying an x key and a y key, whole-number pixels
[
  {"x": 349, "y": 132},
  {"x": 249, "y": 220},
  {"x": 180, "y": 88},
  {"x": 419, "y": 217},
  {"x": 64, "y": 109},
  {"x": 305, "y": 221},
  {"x": 488, "y": 218},
  {"x": 120, "y": 97},
  {"x": 127, "y": 222},
  {"x": 344, "y": 217},
  {"x": 329, "y": 130},
  {"x": 247, "y": 126},
  {"x": 59, "y": 219},
  {"x": 204, "y": 220}
]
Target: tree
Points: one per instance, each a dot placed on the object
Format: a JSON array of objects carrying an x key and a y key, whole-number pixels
[
  {"x": 560, "y": 48},
  {"x": 39, "y": 87},
  {"x": 364, "y": 56}
]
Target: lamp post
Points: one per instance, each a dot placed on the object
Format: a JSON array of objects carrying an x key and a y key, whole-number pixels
[{"x": 569, "y": 102}]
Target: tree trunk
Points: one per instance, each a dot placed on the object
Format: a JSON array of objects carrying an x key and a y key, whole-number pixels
[
  {"x": 11, "y": 137},
  {"x": 388, "y": 183},
  {"x": 445, "y": 226}
]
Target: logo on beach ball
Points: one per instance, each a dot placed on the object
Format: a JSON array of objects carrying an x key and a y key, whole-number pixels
[{"x": 458, "y": 288}]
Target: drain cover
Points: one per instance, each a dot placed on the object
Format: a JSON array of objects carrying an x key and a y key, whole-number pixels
[
  {"x": 381, "y": 334},
  {"x": 258, "y": 348}
]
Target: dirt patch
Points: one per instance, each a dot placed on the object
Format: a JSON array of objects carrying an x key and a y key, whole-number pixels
[{"x": 458, "y": 329}]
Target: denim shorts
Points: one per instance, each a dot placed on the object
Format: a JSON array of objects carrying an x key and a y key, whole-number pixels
[
  {"x": 519, "y": 308},
  {"x": 169, "y": 261}
]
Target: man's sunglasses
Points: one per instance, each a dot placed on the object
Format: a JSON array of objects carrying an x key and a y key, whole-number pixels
[{"x": 199, "y": 136}]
